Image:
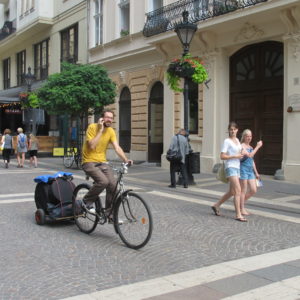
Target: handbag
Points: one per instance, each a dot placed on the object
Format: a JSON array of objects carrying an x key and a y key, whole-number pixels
[
  {"x": 174, "y": 155},
  {"x": 221, "y": 175},
  {"x": 2, "y": 146}
]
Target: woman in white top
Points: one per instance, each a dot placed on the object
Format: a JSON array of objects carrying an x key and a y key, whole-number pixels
[{"x": 232, "y": 152}]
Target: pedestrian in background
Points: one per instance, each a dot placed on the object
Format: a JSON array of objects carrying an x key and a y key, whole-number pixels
[
  {"x": 249, "y": 172},
  {"x": 21, "y": 147},
  {"x": 7, "y": 147},
  {"x": 179, "y": 142},
  {"x": 232, "y": 152},
  {"x": 33, "y": 146}
]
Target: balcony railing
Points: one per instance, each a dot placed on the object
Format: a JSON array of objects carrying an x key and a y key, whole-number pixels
[
  {"x": 8, "y": 28},
  {"x": 166, "y": 18}
]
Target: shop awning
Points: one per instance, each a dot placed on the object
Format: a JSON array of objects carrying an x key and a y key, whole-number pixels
[{"x": 12, "y": 95}]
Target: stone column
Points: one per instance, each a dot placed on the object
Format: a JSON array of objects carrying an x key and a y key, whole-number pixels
[
  {"x": 215, "y": 109},
  {"x": 169, "y": 121},
  {"x": 291, "y": 143}
]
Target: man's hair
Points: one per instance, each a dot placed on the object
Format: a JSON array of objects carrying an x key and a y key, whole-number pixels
[
  {"x": 20, "y": 130},
  {"x": 106, "y": 111},
  {"x": 182, "y": 131}
]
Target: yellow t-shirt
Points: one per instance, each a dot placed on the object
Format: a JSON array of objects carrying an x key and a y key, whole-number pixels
[{"x": 98, "y": 154}]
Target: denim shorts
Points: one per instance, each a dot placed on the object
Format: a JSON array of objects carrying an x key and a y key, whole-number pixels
[
  {"x": 247, "y": 173},
  {"x": 232, "y": 172}
]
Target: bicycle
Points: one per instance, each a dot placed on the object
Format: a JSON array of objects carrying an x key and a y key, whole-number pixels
[
  {"x": 130, "y": 214},
  {"x": 72, "y": 155}
]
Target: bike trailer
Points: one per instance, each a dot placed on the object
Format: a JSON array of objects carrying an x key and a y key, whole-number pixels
[{"x": 53, "y": 197}]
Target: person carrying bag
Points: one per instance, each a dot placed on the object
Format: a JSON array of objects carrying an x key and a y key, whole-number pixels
[{"x": 176, "y": 155}]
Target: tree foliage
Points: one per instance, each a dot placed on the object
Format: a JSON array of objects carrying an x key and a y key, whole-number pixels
[{"x": 77, "y": 90}]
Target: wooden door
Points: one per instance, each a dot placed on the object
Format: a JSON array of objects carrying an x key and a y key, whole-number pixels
[{"x": 256, "y": 99}]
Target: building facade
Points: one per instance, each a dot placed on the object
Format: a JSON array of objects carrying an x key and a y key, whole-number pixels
[
  {"x": 40, "y": 35},
  {"x": 251, "y": 50}
]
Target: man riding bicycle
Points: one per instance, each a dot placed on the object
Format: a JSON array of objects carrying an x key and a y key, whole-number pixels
[{"x": 98, "y": 137}]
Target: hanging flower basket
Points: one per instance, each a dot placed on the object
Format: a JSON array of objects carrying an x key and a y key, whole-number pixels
[
  {"x": 186, "y": 67},
  {"x": 29, "y": 100}
]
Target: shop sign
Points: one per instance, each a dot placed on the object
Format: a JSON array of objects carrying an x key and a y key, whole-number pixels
[{"x": 13, "y": 111}]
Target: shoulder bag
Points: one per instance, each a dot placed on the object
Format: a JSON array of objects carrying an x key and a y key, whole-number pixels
[
  {"x": 221, "y": 175},
  {"x": 174, "y": 155}
]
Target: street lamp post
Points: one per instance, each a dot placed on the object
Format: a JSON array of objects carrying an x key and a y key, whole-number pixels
[
  {"x": 185, "y": 32},
  {"x": 29, "y": 78}
]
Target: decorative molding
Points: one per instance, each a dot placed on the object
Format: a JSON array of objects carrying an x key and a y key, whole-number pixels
[
  {"x": 249, "y": 32},
  {"x": 160, "y": 49},
  {"x": 122, "y": 75},
  {"x": 296, "y": 47},
  {"x": 290, "y": 18},
  {"x": 294, "y": 42}
]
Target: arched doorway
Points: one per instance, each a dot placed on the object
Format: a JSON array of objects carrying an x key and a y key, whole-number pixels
[
  {"x": 125, "y": 120},
  {"x": 155, "y": 122},
  {"x": 256, "y": 99}
]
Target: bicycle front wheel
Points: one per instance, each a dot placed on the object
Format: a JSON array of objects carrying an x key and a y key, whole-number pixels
[
  {"x": 68, "y": 159},
  {"x": 133, "y": 221},
  {"x": 84, "y": 220}
]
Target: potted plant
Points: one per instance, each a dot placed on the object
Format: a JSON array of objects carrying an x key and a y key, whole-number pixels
[{"x": 185, "y": 67}]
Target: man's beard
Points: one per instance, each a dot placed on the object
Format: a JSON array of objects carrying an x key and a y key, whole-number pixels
[{"x": 107, "y": 124}]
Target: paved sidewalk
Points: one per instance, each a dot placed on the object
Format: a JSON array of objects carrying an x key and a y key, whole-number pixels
[
  {"x": 271, "y": 276},
  {"x": 193, "y": 254}
]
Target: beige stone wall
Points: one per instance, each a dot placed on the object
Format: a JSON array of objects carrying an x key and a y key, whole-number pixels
[{"x": 139, "y": 83}]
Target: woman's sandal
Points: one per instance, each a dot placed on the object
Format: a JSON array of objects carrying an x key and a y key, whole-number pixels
[
  {"x": 241, "y": 219},
  {"x": 216, "y": 211}
]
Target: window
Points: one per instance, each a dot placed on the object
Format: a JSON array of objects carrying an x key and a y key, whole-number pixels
[
  {"x": 98, "y": 22},
  {"x": 157, "y": 4},
  {"x": 21, "y": 67},
  {"x": 124, "y": 17},
  {"x": 69, "y": 44},
  {"x": 193, "y": 97},
  {"x": 125, "y": 119},
  {"x": 6, "y": 73},
  {"x": 41, "y": 60}
]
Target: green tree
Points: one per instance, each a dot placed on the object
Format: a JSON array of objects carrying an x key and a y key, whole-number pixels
[{"x": 77, "y": 91}]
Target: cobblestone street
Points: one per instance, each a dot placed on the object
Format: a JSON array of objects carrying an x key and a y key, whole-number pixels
[{"x": 57, "y": 261}]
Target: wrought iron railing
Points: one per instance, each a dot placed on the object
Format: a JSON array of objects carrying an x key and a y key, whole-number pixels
[{"x": 167, "y": 17}]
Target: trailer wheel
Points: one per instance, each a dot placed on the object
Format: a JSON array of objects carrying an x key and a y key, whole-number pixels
[{"x": 40, "y": 216}]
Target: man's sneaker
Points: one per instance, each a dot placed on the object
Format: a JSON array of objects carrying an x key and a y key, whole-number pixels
[
  {"x": 89, "y": 206},
  {"x": 91, "y": 209}
]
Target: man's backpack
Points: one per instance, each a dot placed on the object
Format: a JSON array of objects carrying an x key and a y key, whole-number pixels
[{"x": 22, "y": 140}]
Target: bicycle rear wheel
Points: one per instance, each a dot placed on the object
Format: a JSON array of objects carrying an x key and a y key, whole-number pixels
[
  {"x": 133, "y": 221},
  {"x": 79, "y": 161},
  {"x": 68, "y": 159},
  {"x": 84, "y": 220}
]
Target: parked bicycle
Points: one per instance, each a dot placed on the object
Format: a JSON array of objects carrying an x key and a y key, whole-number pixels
[
  {"x": 129, "y": 213},
  {"x": 72, "y": 155}
]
